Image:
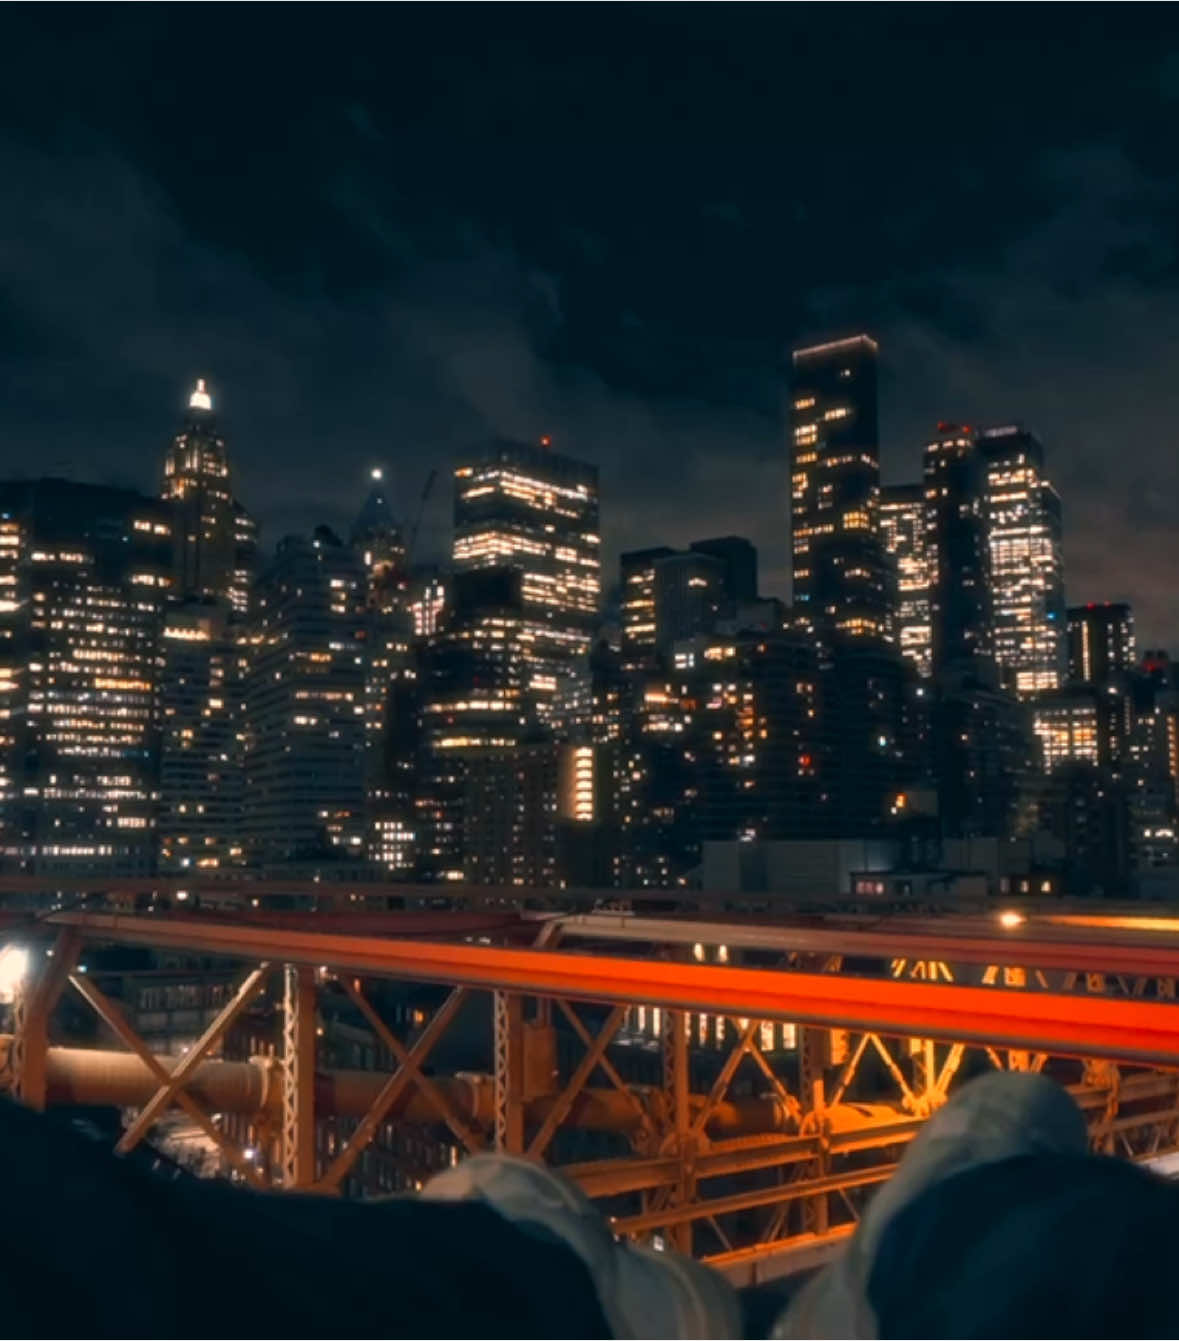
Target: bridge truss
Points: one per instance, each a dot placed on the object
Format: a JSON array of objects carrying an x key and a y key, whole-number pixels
[{"x": 767, "y": 1162}]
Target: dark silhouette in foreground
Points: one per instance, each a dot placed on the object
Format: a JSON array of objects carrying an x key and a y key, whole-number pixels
[{"x": 997, "y": 1224}]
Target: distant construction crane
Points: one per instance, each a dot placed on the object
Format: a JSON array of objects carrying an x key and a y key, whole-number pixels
[{"x": 412, "y": 539}]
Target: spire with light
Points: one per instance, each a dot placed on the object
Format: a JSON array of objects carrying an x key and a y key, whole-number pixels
[{"x": 200, "y": 398}]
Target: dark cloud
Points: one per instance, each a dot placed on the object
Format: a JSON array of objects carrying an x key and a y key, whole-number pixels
[{"x": 387, "y": 232}]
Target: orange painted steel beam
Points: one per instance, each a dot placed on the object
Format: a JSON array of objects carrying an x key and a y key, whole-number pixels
[
  {"x": 1124, "y": 1029},
  {"x": 1097, "y": 945},
  {"x": 1026, "y": 946}
]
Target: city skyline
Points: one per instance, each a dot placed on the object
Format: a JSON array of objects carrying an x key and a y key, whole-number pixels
[
  {"x": 435, "y": 548},
  {"x": 432, "y": 291}
]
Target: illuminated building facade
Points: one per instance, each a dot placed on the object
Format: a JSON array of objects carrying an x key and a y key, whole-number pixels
[
  {"x": 655, "y": 790},
  {"x": 668, "y": 595},
  {"x": 509, "y": 816},
  {"x": 1101, "y": 642},
  {"x": 427, "y": 601},
  {"x": 475, "y": 677},
  {"x": 528, "y": 508},
  {"x": 84, "y": 574},
  {"x": 390, "y": 693},
  {"x": 200, "y": 703},
  {"x": 869, "y": 735},
  {"x": 637, "y": 601},
  {"x": 1027, "y": 567},
  {"x": 215, "y": 539},
  {"x": 305, "y": 762},
  {"x": 957, "y": 551},
  {"x": 1084, "y": 724},
  {"x": 903, "y": 534},
  {"x": 841, "y": 574},
  {"x": 755, "y": 731}
]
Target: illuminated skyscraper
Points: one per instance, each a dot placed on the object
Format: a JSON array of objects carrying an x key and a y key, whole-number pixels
[
  {"x": 903, "y": 532},
  {"x": 527, "y": 508},
  {"x": 1084, "y": 724},
  {"x": 427, "y": 601},
  {"x": 215, "y": 538},
  {"x": 305, "y": 764},
  {"x": 841, "y": 575},
  {"x": 637, "y": 599},
  {"x": 200, "y": 697},
  {"x": 475, "y": 702},
  {"x": 1027, "y": 569},
  {"x": 390, "y": 697},
  {"x": 84, "y": 573},
  {"x": 1100, "y": 642},
  {"x": 668, "y": 595}
]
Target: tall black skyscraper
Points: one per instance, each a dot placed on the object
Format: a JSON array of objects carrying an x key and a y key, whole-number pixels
[
  {"x": 390, "y": 695},
  {"x": 739, "y": 557},
  {"x": 841, "y": 574},
  {"x": 957, "y": 550},
  {"x": 305, "y": 707}
]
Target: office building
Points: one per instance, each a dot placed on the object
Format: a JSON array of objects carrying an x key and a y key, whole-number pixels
[
  {"x": 509, "y": 816},
  {"x": 668, "y": 595},
  {"x": 305, "y": 763},
  {"x": 1084, "y": 723},
  {"x": 215, "y": 539},
  {"x": 84, "y": 574},
  {"x": 1100, "y": 642},
  {"x": 201, "y": 736},
  {"x": 754, "y": 717},
  {"x": 956, "y": 549},
  {"x": 689, "y": 596},
  {"x": 841, "y": 575},
  {"x": 903, "y": 534},
  {"x": 475, "y": 675},
  {"x": 870, "y": 738},
  {"x": 1027, "y": 567},
  {"x": 390, "y": 691},
  {"x": 427, "y": 600},
  {"x": 527, "y": 508},
  {"x": 739, "y": 557},
  {"x": 985, "y": 755},
  {"x": 637, "y": 604},
  {"x": 1089, "y": 813},
  {"x": 655, "y": 791}
]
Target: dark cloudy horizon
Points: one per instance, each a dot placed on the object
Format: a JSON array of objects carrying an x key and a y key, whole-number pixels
[{"x": 384, "y": 233}]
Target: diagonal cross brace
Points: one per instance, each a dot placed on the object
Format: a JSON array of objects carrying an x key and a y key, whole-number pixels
[
  {"x": 577, "y": 1080},
  {"x": 608, "y": 1067},
  {"x": 391, "y": 1091},
  {"x": 166, "y": 1094},
  {"x": 469, "y": 1136},
  {"x": 113, "y": 1018}
]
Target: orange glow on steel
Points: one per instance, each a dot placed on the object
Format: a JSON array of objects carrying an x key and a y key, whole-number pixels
[
  {"x": 1093, "y": 920},
  {"x": 1128, "y": 1029}
]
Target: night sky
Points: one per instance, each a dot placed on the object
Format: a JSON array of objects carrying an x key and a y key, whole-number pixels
[{"x": 385, "y": 233}]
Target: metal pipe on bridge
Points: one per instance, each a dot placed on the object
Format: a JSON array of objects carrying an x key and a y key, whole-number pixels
[{"x": 92, "y": 1077}]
